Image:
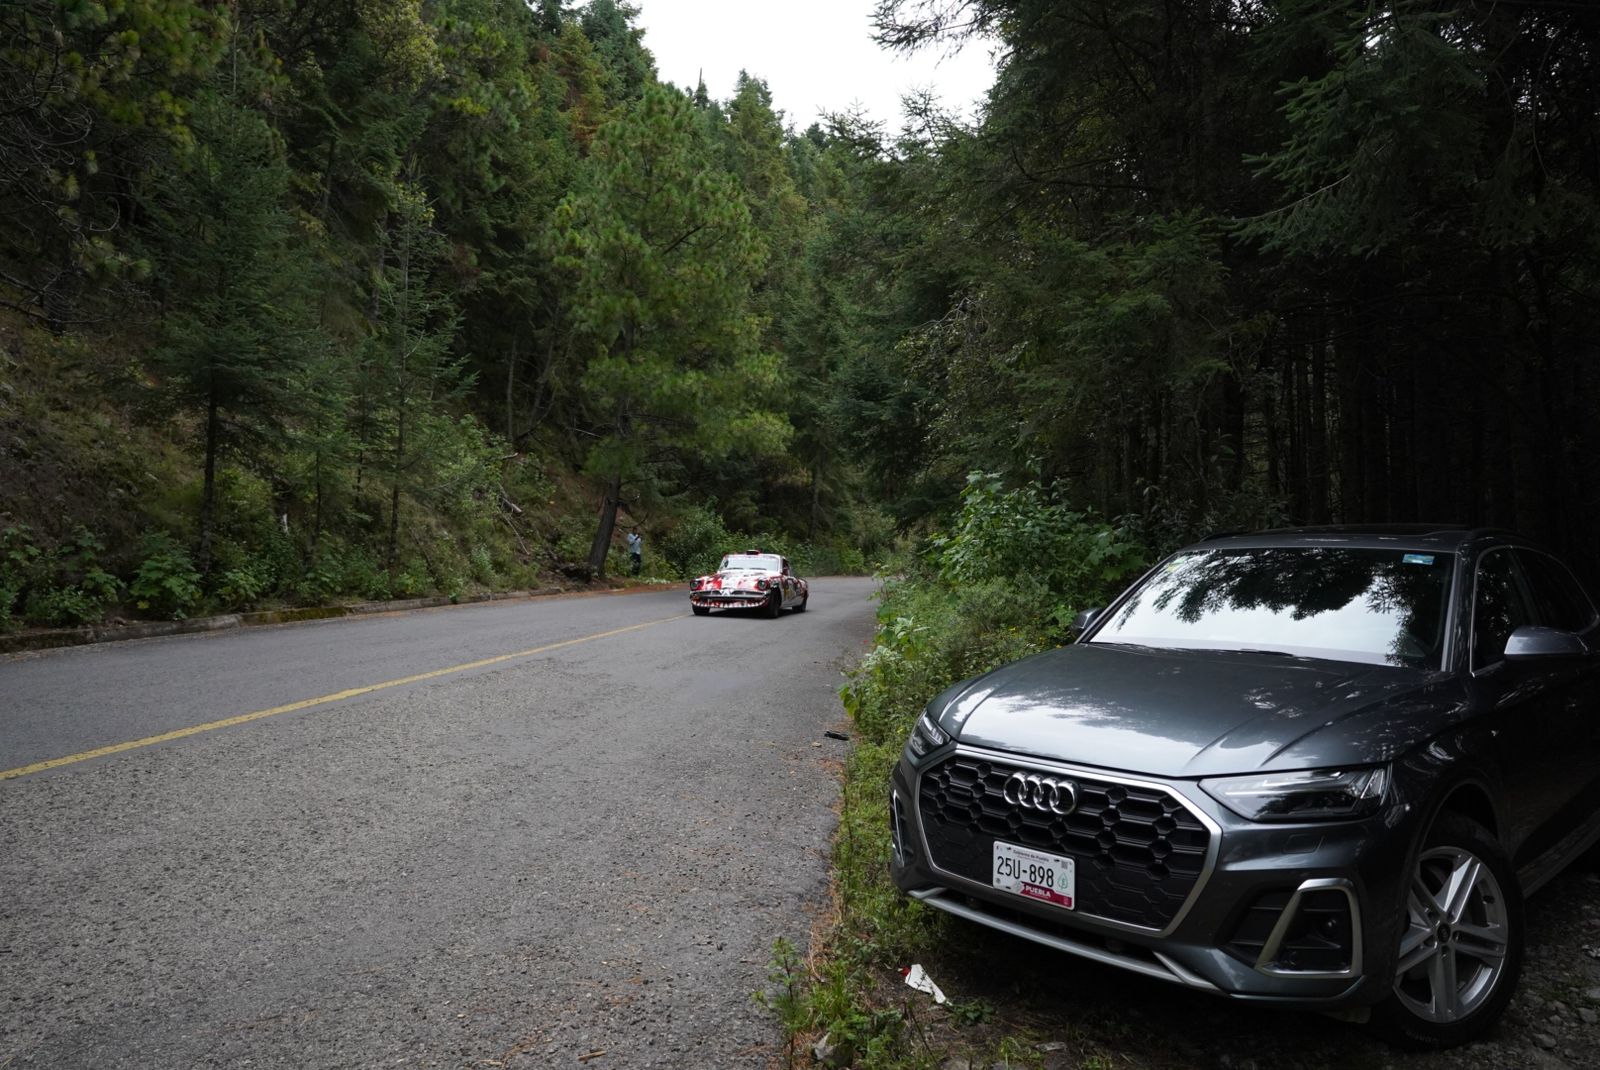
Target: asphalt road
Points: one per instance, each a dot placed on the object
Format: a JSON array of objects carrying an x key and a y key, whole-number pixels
[{"x": 584, "y": 847}]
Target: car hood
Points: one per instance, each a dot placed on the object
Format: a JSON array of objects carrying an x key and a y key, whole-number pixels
[
  {"x": 1200, "y": 713},
  {"x": 736, "y": 580}
]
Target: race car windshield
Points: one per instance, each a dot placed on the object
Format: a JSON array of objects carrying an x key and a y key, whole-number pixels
[
  {"x": 762, "y": 564},
  {"x": 1382, "y": 607}
]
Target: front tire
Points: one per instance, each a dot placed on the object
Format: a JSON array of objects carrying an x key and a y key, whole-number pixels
[
  {"x": 701, "y": 611},
  {"x": 1460, "y": 950},
  {"x": 773, "y": 605}
]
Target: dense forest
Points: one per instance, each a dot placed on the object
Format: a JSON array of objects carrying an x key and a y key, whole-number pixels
[
  {"x": 302, "y": 300},
  {"x": 1237, "y": 261}
]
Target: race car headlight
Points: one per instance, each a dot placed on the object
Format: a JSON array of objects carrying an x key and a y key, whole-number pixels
[
  {"x": 1308, "y": 795},
  {"x": 926, "y": 737}
]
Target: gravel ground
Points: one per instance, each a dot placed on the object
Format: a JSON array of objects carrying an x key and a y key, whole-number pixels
[
  {"x": 1079, "y": 1014},
  {"x": 581, "y": 858}
]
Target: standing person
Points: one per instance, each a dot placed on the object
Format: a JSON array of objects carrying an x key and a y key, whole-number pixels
[{"x": 635, "y": 551}]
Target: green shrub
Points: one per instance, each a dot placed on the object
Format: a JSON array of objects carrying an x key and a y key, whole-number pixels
[
  {"x": 8, "y": 600},
  {"x": 696, "y": 543},
  {"x": 63, "y": 585},
  {"x": 481, "y": 562},
  {"x": 322, "y": 579},
  {"x": 996, "y": 588},
  {"x": 243, "y": 587},
  {"x": 413, "y": 579},
  {"x": 166, "y": 582},
  {"x": 18, "y": 559},
  {"x": 832, "y": 558},
  {"x": 931, "y": 635},
  {"x": 362, "y": 574},
  {"x": 1020, "y": 534},
  {"x": 571, "y": 540}
]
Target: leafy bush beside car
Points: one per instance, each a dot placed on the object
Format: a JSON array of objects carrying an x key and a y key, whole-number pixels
[{"x": 1001, "y": 584}]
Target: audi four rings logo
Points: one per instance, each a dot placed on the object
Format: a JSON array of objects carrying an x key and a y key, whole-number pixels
[{"x": 1041, "y": 793}]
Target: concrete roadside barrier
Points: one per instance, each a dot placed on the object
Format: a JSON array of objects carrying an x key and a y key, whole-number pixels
[{"x": 51, "y": 638}]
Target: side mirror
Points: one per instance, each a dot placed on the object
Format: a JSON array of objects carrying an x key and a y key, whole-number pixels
[
  {"x": 1081, "y": 622},
  {"x": 1534, "y": 642}
]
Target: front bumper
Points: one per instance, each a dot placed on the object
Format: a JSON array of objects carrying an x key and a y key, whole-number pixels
[
  {"x": 1298, "y": 914},
  {"x": 729, "y": 599}
]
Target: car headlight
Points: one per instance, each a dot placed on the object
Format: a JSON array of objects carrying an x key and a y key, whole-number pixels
[
  {"x": 1309, "y": 795},
  {"x": 926, "y": 737}
]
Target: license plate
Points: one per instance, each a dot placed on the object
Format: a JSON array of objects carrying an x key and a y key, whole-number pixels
[{"x": 1035, "y": 875}]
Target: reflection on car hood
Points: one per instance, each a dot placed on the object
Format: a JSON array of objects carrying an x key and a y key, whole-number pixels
[
  {"x": 1201, "y": 713},
  {"x": 739, "y": 578}
]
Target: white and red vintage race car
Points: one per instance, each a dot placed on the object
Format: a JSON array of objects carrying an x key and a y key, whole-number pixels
[{"x": 750, "y": 580}]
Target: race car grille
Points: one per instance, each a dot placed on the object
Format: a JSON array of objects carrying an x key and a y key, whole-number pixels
[{"x": 1139, "y": 851}]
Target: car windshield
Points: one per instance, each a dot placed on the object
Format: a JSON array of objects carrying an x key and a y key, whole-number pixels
[
  {"x": 1384, "y": 607},
  {"x": 758, "y": 562}
]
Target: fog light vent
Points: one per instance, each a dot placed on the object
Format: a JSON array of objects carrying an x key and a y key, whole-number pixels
[
  {"x": 1251, "y": 934},
  {"x": 897, "y": 827},
  {"x": 1316, "y": 931}
]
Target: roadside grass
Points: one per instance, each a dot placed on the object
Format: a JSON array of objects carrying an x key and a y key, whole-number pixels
[{"x": 848, "y": 1000}]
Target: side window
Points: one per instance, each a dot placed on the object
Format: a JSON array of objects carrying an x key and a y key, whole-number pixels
[
  {"x": 1558, "y": 600},
  {"x": 1498, "y": 608}
]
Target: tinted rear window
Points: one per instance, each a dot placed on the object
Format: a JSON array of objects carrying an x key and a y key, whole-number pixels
[{"x": 1384, "y": 607}]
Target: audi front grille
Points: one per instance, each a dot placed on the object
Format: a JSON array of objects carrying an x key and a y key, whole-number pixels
[{"x": 1139, "y": 850}]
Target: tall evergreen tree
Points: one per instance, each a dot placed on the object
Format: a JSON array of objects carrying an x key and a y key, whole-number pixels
[
  {"x": 663, "y": 257},
  {"x": 237, "y": 288},
  {"x": 411, "y": 369},
  {"x": 90, "y": 95},
  {"x": 610, "y": 26}
]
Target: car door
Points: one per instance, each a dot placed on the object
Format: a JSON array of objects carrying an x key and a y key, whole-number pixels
[
  {"x": 1559, "y": 601},
  {"x": 1526, "y": 714}
]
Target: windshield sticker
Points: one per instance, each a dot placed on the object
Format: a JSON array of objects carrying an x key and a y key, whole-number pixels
[{"x": 1417, "y": 559}]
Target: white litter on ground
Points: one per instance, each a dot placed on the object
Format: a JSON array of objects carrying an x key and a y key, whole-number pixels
[{"x": 918, "y": 978}]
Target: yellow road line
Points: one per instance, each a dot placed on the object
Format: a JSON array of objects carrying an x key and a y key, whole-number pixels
[{"x": 303, "y": 704}]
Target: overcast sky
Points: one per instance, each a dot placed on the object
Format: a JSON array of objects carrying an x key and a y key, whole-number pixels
[{"x": 815, "y": 55}]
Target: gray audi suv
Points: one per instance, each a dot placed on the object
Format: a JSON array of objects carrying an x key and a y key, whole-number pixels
[{"x": 1318, "y": 767}]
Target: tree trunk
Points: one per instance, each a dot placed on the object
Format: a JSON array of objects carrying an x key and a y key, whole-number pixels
[
  {"x": 816, "y": 501},
  {"x": 1317, "y": 426},
  {"x": 1348, "y": 401},
  {"x": 1234, "y": 402},
  {"x": 402, "y": 395},
  {"x": 394, "y": 488},
  {"x": 316, "y": 522},
  {"x": 208, "y": 491},
  {"x": 1269, "y": 424},
  {"x": 608, "y": 524},
  {"x": 1294, "y": 425},
  {"x": 511, "y": 382}
]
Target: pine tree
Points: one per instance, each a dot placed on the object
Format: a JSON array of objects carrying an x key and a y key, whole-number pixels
[
  {"x": 239, "y": 321},
  {"x": 411, "y": 370},
  {"x": 663, "y": 256}
]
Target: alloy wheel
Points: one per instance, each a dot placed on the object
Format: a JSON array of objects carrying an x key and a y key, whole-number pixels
[{"x": 1454, "y": 948}]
